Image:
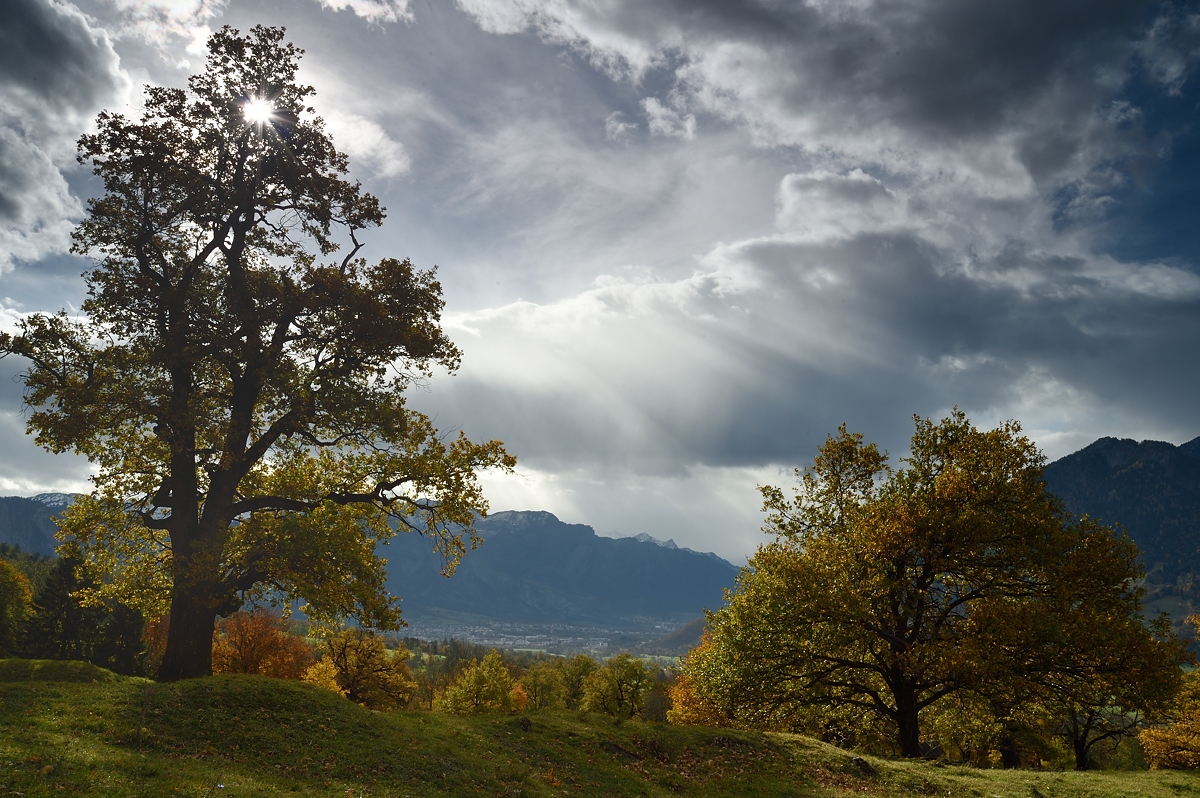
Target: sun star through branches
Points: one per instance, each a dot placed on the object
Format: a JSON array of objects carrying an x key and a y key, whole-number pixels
[{"x": 258, "y": 111}]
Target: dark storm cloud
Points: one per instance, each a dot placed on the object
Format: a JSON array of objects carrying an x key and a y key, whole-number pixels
[
  {"x": 867, "y": 329},
  {"x": 735, "y": 225},
  {"x": 50, "y": 57},
  {"x": 887, "y": 82},
  {"x": 55, "y": 73}
]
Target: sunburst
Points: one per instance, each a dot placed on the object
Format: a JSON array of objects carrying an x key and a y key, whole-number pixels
[{"x": 258, "y": 111}]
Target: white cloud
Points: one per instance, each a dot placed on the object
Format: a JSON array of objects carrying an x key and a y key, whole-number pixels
[
  {"x": 823, "y": 206},
  {"x": 37, "y": 211},
  {"x": 664, "y": 121},
  {"x": 623, "y": 41},
  {"x": 365, "y": 141},
  {"x": 616, "y": 129},
  {"x": 374, "y": 10}
]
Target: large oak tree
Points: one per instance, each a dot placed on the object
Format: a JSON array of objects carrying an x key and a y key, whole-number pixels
[
  {"x": 238, "y": 372},
  {"x": 887, "y": 591}
]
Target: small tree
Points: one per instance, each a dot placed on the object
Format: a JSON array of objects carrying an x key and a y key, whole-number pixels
[
  {"x": 365, "y": 671},
  {"x": 239, "y": 388},
  {"x": 259, "y": 642},
  {"x": 574, "y": 674},
  {"x": 1176, "y": 745},
  {"x": 618, "y": 687},
  {"x": 543, "y": 686},
  {"x": 16, "y": 604},
  {"x": 485, "y": 686},
  {"x": 689, "y": 705}
]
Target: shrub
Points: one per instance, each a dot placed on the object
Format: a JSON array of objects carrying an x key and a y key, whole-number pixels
[
  {"x": 258, "y": 642},
  {"x": 485, "y": 686}
]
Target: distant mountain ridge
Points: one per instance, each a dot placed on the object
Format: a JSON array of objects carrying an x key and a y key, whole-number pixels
[
  {"x": 531, "y": 568},
  {"x": 29, "y": 523},
  {"x": 534, "y": 568},
  {"x": 1150, "y": 488}
]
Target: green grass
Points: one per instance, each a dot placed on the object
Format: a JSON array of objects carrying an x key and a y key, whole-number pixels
[{"x": 71, "y": 729}]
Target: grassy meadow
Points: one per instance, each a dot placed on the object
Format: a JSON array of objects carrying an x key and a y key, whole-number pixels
[{"x": 74, "y": 729}]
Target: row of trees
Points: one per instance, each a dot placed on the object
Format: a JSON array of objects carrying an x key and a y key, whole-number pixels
[
  {"x": 949, "y": 604},
  {"x": 41, "y": 616},
  {"x": 624, "y": 687},
  {"x": 450, "y": 676}
]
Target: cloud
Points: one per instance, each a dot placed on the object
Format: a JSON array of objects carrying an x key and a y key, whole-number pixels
[
  {"x": 56, "y": 71},
  {"x": 168, "y": 24},
  {"x": 1171, "y": 46},
  {"x": 622, "y": 39},
  {"x": 616, "y": 129},
  {"x": 853, "y": 313},
  {"x": 822, "y": 205},
  {"x": 664, "y": 121},
  {"x": 1002, "y": 98},
  {"x": 366, "y": 141},
  {"x": 373, "y": 10}
]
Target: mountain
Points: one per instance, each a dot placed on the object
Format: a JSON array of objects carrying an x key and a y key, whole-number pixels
[
  {"x": 1151, "y": 489},
  {"x": 29, "y": 523},
  {"x": 533, "y": 568}
]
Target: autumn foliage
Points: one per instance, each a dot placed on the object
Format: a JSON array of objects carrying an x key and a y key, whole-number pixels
[
  {"x": 1176, "y": 745},
  {"x": 259, "y": 642},
  {"x": 484, "y": 686},
  {"x": 16, "y": 604},
  {"x": 689, "y": 706},
  {"x": 357, "y": 664},
  {"x": 893, "y": 597}
]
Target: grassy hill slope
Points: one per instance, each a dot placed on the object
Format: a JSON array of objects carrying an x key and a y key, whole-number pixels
[{"x": 72, "y": 729}]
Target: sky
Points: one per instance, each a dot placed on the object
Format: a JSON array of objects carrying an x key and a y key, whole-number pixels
[{"x": 681, "y": 242}]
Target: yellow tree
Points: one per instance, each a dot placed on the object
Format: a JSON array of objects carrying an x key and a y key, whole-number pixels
[
  {"x": 543, "y": 686},
  {"x": 357, "y": 664},
  {"x": 887, "y": 591},
  {"x": 16, "y": 605},
  {"x": 483, "y": 686},
  {"x": 618, "y": 687},
  {"x": 1176, "y": 746},
  {"x": 240, "y": 388}
]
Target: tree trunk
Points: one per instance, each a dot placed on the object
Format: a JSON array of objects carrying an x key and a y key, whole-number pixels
[
  {"x": 1010, "y": 757},
  {"x": 1081, "y": 752},
  {"x": 193, "y": 620},
  {"x": 907, "y": 723}
]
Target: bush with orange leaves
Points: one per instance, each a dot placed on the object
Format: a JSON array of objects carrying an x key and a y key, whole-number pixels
[
  {"x": 1177, "y": 745},
  {"x": 689, "y": 706},
  {"x": 259, "y": 642}
]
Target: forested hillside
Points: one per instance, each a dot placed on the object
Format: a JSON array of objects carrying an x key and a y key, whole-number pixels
[
  {"x": 534, "y": 568},
  {"x": 1151, "y": 489},
  {"x": 28, "y": 523}
]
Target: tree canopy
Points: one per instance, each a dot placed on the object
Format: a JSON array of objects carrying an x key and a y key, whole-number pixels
[
  {"x": 238, "y": 373},
  {"x": 886, "y": 591}
]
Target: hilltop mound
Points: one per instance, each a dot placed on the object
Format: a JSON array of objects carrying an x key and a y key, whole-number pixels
[{"x": 250, "y": 735}]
